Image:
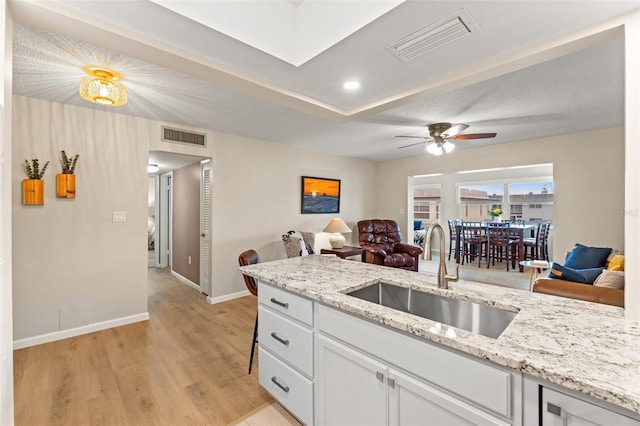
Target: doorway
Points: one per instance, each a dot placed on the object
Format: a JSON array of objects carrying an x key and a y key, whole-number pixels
[
  {"x": 152, "y": 223},
  {"x": 183, "y": 217}
]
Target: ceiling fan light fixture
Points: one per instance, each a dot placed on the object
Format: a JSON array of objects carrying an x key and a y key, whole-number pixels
[
  {"x": 448, "y": 146},
  {"x": 102, "y": 87},
  {"x": 434, "y": 148}
]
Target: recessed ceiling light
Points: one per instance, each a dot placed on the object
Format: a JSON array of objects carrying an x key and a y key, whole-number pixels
[
  {"x": 351, "y": 85},
  {"x": 152, "y": 168}
]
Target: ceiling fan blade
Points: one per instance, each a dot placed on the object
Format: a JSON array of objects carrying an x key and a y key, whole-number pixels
[
  {"x": 417, "y": 137},
  {"x": 413, "y": 144},
  {"x": 454, "y": 130},
  {"x": 473, "y": 136}
]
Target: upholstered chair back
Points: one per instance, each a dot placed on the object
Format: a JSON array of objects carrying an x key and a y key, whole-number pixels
[{"x": 383, "y": 233}]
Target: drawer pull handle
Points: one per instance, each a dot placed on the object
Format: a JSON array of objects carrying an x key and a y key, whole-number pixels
[
  {"x": 280, "y": 339},
  {"x": 280, "y": 385},
  {"x": 277, "y": 302},
  {"x": 554, "y": 409}
]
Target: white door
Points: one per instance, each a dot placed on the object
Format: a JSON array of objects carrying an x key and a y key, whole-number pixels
[
  {"x": 205, "y": 227},
  {"x": 412, "y": 402},
  {"x": 351, "y": 387},
  {"x": 559, "y": 409},
  {"x": 165, "y": 221}
]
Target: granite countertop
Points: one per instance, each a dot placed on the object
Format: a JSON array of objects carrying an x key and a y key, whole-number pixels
[{"x": 587, "y": 347}]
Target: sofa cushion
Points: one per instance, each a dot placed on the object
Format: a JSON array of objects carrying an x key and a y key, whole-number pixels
[
  {"x": 583, "y": 276},
  {"x": 611, "y": 279},
  {"x": 583, "y": 257}
]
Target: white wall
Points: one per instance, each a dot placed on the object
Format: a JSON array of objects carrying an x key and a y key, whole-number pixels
[
  {"x": 256, "y": 198},
  {"x": 588, "y": 182},
  {"x": 72, "y": 265},
  {"x": 6, "y": 310},
  {"x": 69, "y": 253}
]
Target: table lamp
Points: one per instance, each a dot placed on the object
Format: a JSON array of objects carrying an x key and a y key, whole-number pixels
[{"x": 336, "y": 227}]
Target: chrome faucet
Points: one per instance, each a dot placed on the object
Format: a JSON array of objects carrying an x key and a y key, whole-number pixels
[{"x": 443, "y": 278}]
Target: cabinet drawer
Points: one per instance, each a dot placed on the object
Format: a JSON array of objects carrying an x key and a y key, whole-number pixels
[
  {"x": 286, "y": 303},
  {"x": 290, "y": 341},
  {"x": 486, "y": 385},
  {"x": 290, "y": 388}
]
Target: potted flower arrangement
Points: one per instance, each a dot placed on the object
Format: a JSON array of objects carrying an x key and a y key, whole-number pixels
[
  {"x": 66, "y": 181},
  {"x": 496, "y": 214},
  {"x": 33, "y": 188}
]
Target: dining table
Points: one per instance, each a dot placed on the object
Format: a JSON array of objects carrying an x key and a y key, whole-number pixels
[{"x": 522, "y": 231}]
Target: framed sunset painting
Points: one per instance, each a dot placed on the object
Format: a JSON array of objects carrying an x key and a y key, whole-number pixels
[{"x": 320, "y": 195}]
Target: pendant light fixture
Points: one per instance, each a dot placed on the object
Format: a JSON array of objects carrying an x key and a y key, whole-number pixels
[{"x": 102, "y": 86}]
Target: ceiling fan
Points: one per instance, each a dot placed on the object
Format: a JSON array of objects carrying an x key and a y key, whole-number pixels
[{"x": 441, "y": 135}]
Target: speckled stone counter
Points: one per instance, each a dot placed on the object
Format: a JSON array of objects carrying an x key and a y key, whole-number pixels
[{"x": 587, "y": 347}]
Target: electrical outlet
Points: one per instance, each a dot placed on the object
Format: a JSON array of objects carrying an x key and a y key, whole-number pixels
[{"x": 119, "y": 216}]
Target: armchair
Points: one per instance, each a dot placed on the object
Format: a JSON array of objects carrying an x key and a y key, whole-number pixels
[
  {"x": 383, "y": 245},
  {"x": 298, "y": 243}
]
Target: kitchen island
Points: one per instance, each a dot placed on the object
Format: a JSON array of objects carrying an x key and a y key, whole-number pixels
[{"x": 583, "y": 347}]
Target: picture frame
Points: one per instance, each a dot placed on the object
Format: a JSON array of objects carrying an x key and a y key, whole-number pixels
[{"x": 319, "y": 195}]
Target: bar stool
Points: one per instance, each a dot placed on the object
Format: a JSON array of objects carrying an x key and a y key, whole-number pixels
[{"x": 250, "y": 257}]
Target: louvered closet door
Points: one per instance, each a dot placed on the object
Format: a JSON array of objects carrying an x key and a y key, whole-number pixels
[{"x": 205, "y": 228}]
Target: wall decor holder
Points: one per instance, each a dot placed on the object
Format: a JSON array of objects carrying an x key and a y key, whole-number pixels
[
  {"x": 33, "y": 192},
  {"x": 65, "y": 185}
]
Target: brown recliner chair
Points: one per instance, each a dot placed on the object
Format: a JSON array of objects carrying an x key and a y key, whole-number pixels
[{"x": 382, "y": 240}]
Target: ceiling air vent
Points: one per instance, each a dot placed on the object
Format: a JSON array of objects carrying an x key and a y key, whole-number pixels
[
  {"x": 434, "y": 36},
  {"x": 176, "y": 135}
]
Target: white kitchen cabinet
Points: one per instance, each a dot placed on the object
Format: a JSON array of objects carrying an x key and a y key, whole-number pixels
[
  {"x": 285, "y": 337},
  {"x": 354, "y": 388},
  {"x": 414, "y": 402},
  {"x": 351, "y": 386},
  {"x": 559, "y": 409}
]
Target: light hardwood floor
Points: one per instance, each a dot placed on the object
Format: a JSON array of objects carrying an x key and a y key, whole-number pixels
[{"x": 186, "y": 365}]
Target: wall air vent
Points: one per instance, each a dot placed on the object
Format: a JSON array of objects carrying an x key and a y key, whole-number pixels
[
  {"x": 434, "y": 36},
  {"x": 182, "y": 136}
]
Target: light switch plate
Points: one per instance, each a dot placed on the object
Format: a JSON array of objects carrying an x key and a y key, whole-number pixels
[{"x": 119, "y": 216}]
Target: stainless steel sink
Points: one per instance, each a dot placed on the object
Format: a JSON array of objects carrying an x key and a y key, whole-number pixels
[{"x": 474, "y": 317}]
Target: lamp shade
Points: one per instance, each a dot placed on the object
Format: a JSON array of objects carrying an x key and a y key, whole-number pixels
[{"x": 336, "y": 226}]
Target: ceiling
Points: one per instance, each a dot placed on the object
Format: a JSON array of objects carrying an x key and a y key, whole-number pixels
[{"x": 527, "y": 73}]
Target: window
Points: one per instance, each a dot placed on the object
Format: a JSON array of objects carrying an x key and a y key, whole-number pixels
[
  {"x": 475, "y": 201},
  {"x": 426, "y": 202},
  {"x": 531, "y": 201},
  {"x": 534, "y": 200}
]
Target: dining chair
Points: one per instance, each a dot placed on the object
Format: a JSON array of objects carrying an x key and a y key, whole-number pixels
[
  {"x": 539, "y": 245},
  {"x": 452, "y": 236},
  {"x": 473, "y": 242},
  {"x": 501, "y": 245},
  {"x": 250, "y": 257}
]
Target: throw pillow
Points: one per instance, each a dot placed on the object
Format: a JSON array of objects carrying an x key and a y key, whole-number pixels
[
  {"x": 583, "y": 257},
  {"x": 303, "y": 246},
  {"x": 583, "y": 276},
  {"x": 417, "y": 225},
  {"x": 616, "y": 263},
  {"x": 612, "y": 279}
]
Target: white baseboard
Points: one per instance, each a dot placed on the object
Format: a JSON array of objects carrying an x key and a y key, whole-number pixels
[
  {"x": 185, "y": 280},
  {"x": 77, "y": 331},
  {"x": 227, "y": 297}
]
